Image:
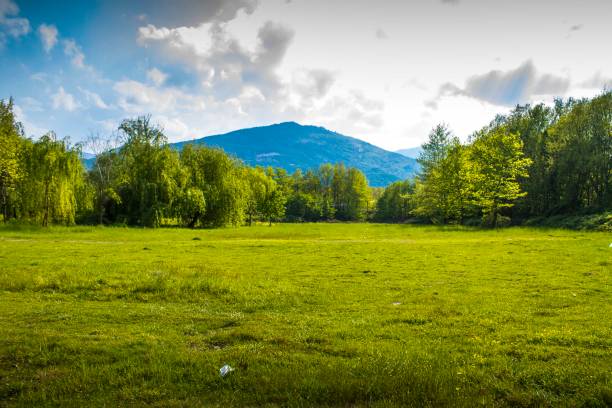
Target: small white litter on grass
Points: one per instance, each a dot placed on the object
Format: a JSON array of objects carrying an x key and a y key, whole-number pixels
[
  {"x": 397, "y": 303},
  {"x": 225, "y": 370},
  {"x": 610, "y": 245}
]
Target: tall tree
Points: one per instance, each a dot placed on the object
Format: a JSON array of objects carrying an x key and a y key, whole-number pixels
[
  {"x": 54, "y": 175},
  {"x": 148, "y": 181},
  {"x": 11, "y": 135},
  {"x": 394, "y": 204},
  {"x": 220, "y": 178},
  {"x": 103, "y": 174},
  {"x": 435, "y": 149},
  {"x": 497, "y": 162}
]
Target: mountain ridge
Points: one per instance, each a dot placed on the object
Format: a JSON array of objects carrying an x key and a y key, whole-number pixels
[{"x": 290, "y": 145}]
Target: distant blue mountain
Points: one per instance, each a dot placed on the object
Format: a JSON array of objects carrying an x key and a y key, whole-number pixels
[
  {"x": 292, "y": 146},
  {"x": 412, "y": 152}
]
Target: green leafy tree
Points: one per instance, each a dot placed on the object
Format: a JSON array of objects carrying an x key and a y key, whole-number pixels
[
  {"x": 395, "y": 203},
  {"x": 54, "y": 176},
  {"x": 149, "y": 173},
  {"x": 103, "y": 176},
  {"x": 221, "y": 179},
  {"x": 497, "y": 162},
  {"x": 257, "y": 182},
  {"x": 191, "y": 206},
  {"x": 442, "y": 188},
  {"x": 434, "y": 150},
  {"x": 11, "y": 140},
  {"x": 273, "y": 206}
]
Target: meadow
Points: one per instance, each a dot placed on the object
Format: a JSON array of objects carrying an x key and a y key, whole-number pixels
[{"x": 307, "y": 315}]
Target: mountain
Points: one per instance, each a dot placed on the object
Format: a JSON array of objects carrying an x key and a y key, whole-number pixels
[
  {"x": 412, "y": 152},
  {"x": 291, "y": 146}
]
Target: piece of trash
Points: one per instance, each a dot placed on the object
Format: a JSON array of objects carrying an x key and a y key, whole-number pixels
[
  {"x": 573, "y": 294},
  {"x": 397, "y": 303},
  {"x": 611, "y": 245},
  {"x": 225, "y": 370}
]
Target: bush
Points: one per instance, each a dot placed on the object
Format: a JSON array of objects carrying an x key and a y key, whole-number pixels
[{"x": 593, "y": 222}]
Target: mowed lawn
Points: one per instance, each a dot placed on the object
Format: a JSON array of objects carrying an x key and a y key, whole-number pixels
[{"x": 308, "y": 315}]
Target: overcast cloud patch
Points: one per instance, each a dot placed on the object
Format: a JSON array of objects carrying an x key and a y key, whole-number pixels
[{"x": 507, "y": 88}]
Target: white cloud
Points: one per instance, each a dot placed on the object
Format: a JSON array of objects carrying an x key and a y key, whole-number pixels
[
  {"x": 156, "y": 76},
  {"x": 29, "y": 129},
  {"x": 39, "y": 76},
  {"x": 137, "y": 98},
  {"x": 222, "y": 63},
  {"x": 48, "y": 36},
  {"x": 10, "y": 24},
  {"x": 64, "y": 100},
  {"x": 73, "y": 50},
  {"x": 94, "y": 99}
]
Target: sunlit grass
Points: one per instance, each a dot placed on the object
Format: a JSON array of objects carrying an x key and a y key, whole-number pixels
[{"x": 315, "y": 314}]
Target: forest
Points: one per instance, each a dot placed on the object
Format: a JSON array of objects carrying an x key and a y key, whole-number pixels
[{"x": 536, "y": 161}]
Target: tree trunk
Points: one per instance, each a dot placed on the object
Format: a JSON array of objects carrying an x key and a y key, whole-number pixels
[
  {"x": 4, "y": 204},
  {"x": 101, "y": 209},
  {"x": 193, "y": 221},
  {"x": 46, "y": 211}
]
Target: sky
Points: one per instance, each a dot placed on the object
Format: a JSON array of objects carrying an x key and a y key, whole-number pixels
[{"x": 383, "y": 71}]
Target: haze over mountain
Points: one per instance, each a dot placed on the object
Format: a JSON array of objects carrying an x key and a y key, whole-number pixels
[
  {"x": 412, "y": 152},
  {"x": 293, "y": 146}
]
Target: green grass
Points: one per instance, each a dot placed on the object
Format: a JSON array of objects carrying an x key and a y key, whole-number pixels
[{"x": 308, "y": 315}]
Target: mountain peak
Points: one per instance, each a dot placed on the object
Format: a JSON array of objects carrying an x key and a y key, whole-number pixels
[{"x": 293, "y": 146}]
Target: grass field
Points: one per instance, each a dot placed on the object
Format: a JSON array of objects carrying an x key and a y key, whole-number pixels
[{"x": 308, "y": 315}]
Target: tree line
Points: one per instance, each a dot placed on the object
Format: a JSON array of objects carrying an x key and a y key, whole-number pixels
[
  {"x": 536, "y": 161},
  {"x": 138, "y": 179}
]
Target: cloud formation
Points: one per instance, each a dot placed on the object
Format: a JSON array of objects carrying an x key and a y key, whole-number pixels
[
  {"x": 64, "y": 100},
  {"x": 193, "y": 12},
  {"x": 73, "y": 50},
  {"x": 223, "y": 64},
  {"x": 313, "y": 83},
  {"x": 10, "y": 24},
  {"x": 95, "y": 99},
  {"x": 48, "y": 36},
  {"x": 507, "y": 88},
  {"x": 156, "y": 76},
  {"x": 598, "y": 81}
]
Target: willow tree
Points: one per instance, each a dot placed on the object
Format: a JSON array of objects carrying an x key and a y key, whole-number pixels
[
  {"x": 220, "y": 178},
  {"x": 148, "y": 175},
  {"x": 53, "y": 175}
]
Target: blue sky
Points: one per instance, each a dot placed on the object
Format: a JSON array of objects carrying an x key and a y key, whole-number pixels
[{"x": 385, "y": 74}]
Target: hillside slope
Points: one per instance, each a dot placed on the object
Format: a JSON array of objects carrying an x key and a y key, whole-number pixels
[{"x": 291, "y": 146}]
